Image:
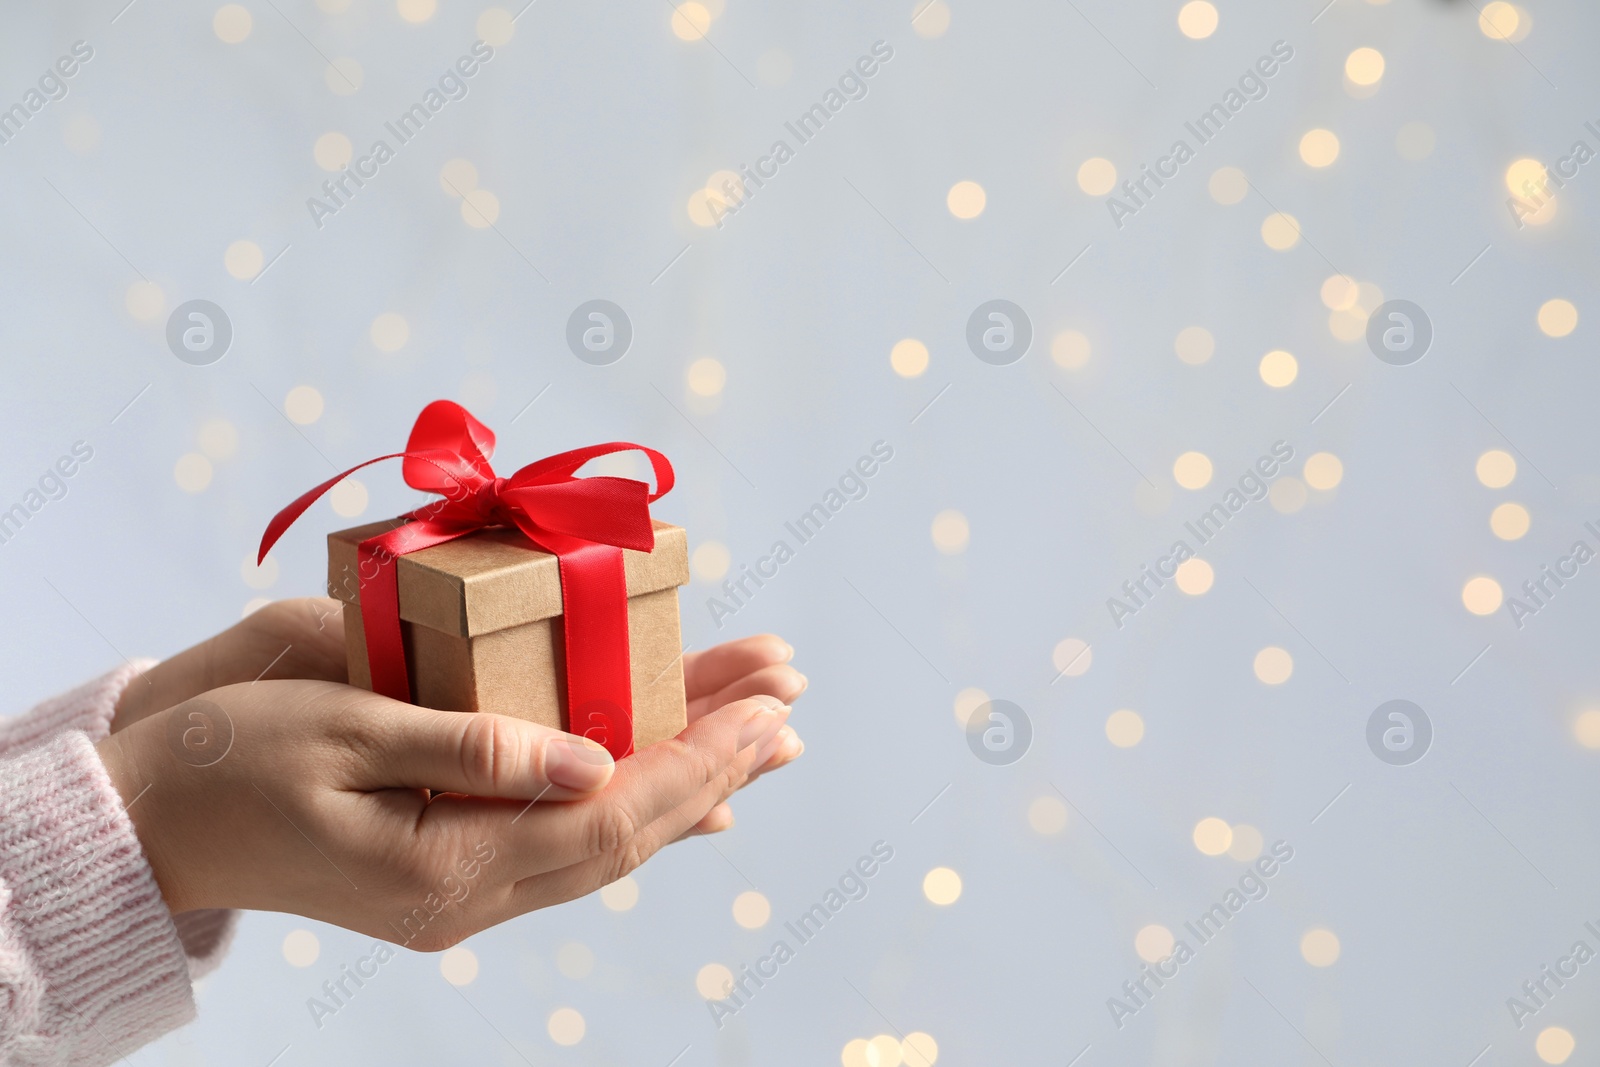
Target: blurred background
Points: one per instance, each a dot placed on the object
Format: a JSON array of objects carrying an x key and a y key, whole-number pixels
[{"x": 1068, "y": 766}]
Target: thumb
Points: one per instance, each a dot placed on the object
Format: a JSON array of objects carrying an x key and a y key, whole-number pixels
[{"x": 480, "y": 754}]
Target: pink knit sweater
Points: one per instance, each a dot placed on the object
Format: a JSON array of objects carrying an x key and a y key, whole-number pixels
[{"x": 92, "y": 964}]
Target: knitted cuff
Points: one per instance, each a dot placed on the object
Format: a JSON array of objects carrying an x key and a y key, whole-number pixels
[
  {"x": 90, "y": 962},
  {"x": 89, "y": 708}
]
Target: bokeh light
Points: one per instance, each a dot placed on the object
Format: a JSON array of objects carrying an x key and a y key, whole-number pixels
[
  {"x": 1197, "y": 19},
  {"x": 1273, "y": 665},
  {"x": 909, "y": 357},
  {"x": 1212, "y": 836},
  {"x": 942, "y": 886},
  {"x": 1319, "y": 947},
  {"x": 966, "y": 200},
  {"x": 1097, "y": 176},
  {"x": 1192, "y": 470},
  {"x": 458, "y": 965},
  {"x": 1124, "y": 728},
  {"x": 1482, "y": 595}
]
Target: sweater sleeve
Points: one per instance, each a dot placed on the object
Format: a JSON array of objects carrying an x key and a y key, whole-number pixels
[{"x": 92, "y": 964}]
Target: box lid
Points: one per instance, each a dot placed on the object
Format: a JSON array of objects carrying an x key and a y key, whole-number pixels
[{"x": 494, "y": 578}]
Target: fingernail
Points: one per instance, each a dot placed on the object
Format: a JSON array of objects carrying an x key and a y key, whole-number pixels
[
  {"x": 780, "y": 741},
  {"x": 789, "y": 653},
  {"x": 763, "y": 725},
  {"x": 804, "y": 683},
  {"x": 578, "y": 764},
  {"x": 770, "y": 701}
]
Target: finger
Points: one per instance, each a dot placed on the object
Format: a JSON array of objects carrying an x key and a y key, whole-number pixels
[
  {"x": 476, "y": 753},
  {"x": 706, "y": 672},
  {"x": 789, "y": 748},
  {"x": 673, "y": 782},
  {"x": 781, "y": 681},
  {"x": 716, "y": 820}
]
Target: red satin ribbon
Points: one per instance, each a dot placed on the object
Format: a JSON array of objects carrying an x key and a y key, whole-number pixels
[{"x": 584, "y": 522}]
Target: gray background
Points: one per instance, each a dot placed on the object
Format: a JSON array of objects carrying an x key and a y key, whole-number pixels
[{"x": 1448, "y": 882}]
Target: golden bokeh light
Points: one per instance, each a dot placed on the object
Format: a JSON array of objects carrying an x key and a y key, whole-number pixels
[
  {"x": 390, "y": 332},
  {"x": 1124, "y": 728},
  {"x": 909, "y": 357},
  {"x": 459, "y": 965},
  {"x": 706, "y": 377},
  {"x": 1339, "y": 292},
  {"x": 1287, "y": 495},
  {"x": 1273, "y": 665},
  {"x": 1192, "y": 470},
  {"x": 1072, "y": 656},
  {"x": 1319, "y": 947},
  {"x": 332, "y": 150},
  {"x": 243, "y": 260},
  {"x": 1228, "y": 185},
  {"x": 1279, "y": 369},
  {"x": 303, "y": 405},
  {"x": 192, "y": 472},
  {"x": 480, "y": 209},
  {"x": 1496, "y": 469},
  {"x": 1319, "y": 147},
  {"x": 942, "y": 886},
  {"x": 416, "y": 11},
  {"x": 1047, "y": 815},
  {"x": 301, "y": 948},
  {"x": 1197, "y": 19},
  {"x": 710, "y": 561},
  {"x": 968, "y": 701},
  {"x": 950, "y": 532},
  {"x": 1498, "y": 21},
  {"x": 1069, "y": 349},
  {"x": 1280, "y": 231},
  {"x": 1557, "y": 318},
  {"x": 919, "y": 1050},
  {"x": 1586, "y": 728},
  {"x": 1482, "y": 595},
  {"x": 930, "y": 18},
  {"x": 1194, "y": 577},
  {"x": 714, "y": 981},
  {"x": 496, "y": 26},
  {"x": 1097, "y": 176},
  {"x": 1323, "y": 470},
  {"x": 565, "y": 1026},
  {"x": 751, "y": 910},
  {"x": 1364, "y": 66},
  {"x": 1153, "y": 943},
  {"x": 620, "y": 895},
  {"x": 1212, "y": 836},
  {"x": 690, "y": 20},
  {"x": 348, "y": 499},
  {"x": 1509, "y": 521},
  {"x": 458, "y": 177},
  {"x": 232, "y": 23},
  {"x": 1554, "y": 1044},
  {"x": 1194, "y": 345},
  {"x": 966, "y": 200}
]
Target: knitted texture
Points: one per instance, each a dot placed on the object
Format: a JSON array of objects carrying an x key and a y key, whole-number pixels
[{"x": 92, "y": 964}]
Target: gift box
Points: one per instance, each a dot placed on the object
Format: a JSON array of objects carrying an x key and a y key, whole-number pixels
[
  {"x": 543, "y": 595},
  {"x": 480, "y": 618}
]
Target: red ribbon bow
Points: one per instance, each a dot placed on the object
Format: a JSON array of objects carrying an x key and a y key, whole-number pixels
[{"x": 584, "y": 522}]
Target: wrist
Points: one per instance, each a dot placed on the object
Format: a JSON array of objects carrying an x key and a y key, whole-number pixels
[{"x": 117, "y": 754}]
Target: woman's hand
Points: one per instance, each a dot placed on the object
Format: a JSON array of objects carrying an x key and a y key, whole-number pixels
[
  {"x": 749, "y": 666},
  {"x": 301, "y": 638},
  {"x": 313, "y": 798}
]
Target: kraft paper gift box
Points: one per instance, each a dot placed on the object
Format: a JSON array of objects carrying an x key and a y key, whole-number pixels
[{"x": 480, "y": 618}]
